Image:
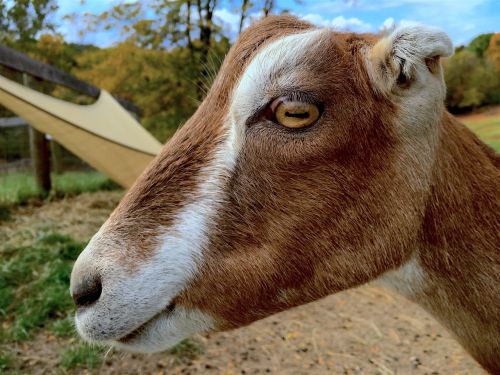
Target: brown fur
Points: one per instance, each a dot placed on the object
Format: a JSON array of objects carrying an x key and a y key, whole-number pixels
[{"x": 312, "y": 212}]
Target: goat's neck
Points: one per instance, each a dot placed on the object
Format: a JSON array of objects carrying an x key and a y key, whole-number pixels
[{"x": 455, "y": 270}]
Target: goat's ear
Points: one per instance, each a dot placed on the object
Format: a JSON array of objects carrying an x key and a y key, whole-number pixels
[{"x": 398, "y": 58}]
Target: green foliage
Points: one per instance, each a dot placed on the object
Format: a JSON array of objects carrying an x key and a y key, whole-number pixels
[
  {"x": 472, "y": 78},
  {"x": 6, "y": 361},
  {"x": 493, "y": 52},
  {"x": 17, "y": 188},
  {"x": 73, "y": 183},
  {"x": 82, "y": 355},
  {"x": 34, "y": 283},
  {"x": 22, "y": 20},
  {"x": 480, "y": 44}
]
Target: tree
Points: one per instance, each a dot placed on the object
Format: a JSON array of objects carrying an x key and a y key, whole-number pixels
[
  {"x": 471, "y": 81},
  {"x": 480, "y": 44},
  {"x": 245, "y": 6},
  {"x": 164, "y": 24},
  {"x": 493, "y": 51},
  {"x": 268, "y": 7},
  {"x": 22, "y": 20}
]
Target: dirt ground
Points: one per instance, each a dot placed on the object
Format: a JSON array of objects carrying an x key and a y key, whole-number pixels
[{"x": 367, "y": 330}]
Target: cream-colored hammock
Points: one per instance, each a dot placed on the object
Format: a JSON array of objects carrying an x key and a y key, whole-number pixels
[{"x": 103, "y": 134}]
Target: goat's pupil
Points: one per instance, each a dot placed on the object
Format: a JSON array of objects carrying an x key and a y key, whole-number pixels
[{"x": 297, "y": 115}]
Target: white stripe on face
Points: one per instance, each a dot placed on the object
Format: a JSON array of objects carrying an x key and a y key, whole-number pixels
[
  {"x": 275, "y": 65},
  {"x": 129, "y": 300}
]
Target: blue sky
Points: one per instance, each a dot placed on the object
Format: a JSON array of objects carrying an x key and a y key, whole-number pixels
[{"x": 461, "y": 19}]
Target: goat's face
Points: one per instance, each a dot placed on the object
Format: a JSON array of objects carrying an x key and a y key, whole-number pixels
[{"x": 303, "y": 172}]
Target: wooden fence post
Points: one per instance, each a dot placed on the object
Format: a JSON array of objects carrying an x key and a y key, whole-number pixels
[
  {"x": 56, "y": 160},
  {"x": 40, "y": 155}
]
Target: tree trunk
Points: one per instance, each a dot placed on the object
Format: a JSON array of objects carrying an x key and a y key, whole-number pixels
[
  {"x": 206, "y": 27},
  {"x": 40, "y": 155},
  {"x": 188, "y": 29},
  {"x": 243, "y": 15},
  {"x": 268, "y": 7}
]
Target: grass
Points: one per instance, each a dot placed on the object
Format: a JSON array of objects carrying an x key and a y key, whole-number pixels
[
  {"x": 187, "y": 350},
  {"x": 19, "y": 188},
  {"x": 487, "y": 128},
  {"x": 34, "y": 296},
  {"x": 34, "y": 283},
  {"x": 82, "y": 355}
]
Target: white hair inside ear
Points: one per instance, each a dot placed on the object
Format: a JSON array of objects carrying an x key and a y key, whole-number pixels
[
  {"x": 406, "y": 54},
  {"x": 415, "y": 43}
]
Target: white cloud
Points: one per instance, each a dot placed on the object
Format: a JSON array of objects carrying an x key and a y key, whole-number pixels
[
  {"x": 388, "y": 24},
  {"x": 229, "y": 19},
  {"x": 370, "y": 5},
  {"x": 339, "y": 22}
]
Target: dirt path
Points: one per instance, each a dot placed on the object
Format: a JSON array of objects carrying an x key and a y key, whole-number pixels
[{"x": 368, "y": 330}]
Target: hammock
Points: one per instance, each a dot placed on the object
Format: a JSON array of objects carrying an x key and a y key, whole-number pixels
[{"x": 103, "y": 134}]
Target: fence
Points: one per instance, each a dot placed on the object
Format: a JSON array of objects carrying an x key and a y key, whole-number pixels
[{"x": 15, "y": 155}]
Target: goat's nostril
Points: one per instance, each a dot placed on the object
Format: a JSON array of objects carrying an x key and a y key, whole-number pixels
[{"x": 87, "y": 291}]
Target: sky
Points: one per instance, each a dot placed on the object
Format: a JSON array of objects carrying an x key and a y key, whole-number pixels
[{"x": 461, "y": 19}]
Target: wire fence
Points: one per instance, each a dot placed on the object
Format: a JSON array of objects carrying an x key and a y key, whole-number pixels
[{"x": 15, "y": 151}]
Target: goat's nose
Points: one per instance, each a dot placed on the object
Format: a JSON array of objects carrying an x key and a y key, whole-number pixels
[{"x": 87, "y": 291}]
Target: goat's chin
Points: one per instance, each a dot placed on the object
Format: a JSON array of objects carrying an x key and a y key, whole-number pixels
[{"x": 165, "y": 330}]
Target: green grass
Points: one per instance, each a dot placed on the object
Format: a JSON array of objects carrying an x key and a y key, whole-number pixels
[
  {"x": 6, "y": 362},
  {"x": 63, "y": 327},
  {"x": 34, "y": 282},
  {"x": 34, "y": 297},
  {"x": 82, "y": 355},
  {"x": 187, "y": 350},
  {"x": 487, "y": 128},
  {"x": 19, "y": 188}
]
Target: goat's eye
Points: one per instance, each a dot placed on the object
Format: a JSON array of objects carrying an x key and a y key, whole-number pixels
[{"x": 294, "y": 114}]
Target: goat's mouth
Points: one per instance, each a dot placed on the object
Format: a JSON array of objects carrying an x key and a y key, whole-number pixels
[
  {"x": 166, "y": 329},
  {"x": 143, "y": 328}
]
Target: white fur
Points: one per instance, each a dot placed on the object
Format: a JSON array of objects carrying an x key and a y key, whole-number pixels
[
  {"x": 408, "y": 47},
  {"x": 408, "y": 280},
  {"x": 131, "y": 299},
  {"x": 414, "y": 43},
  {"x": 167, "y": 330}
]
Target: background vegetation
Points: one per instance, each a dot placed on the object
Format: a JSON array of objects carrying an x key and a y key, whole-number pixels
[
  {"x": 472, "y": 74},
  {"x": 165, "y": 62}
]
